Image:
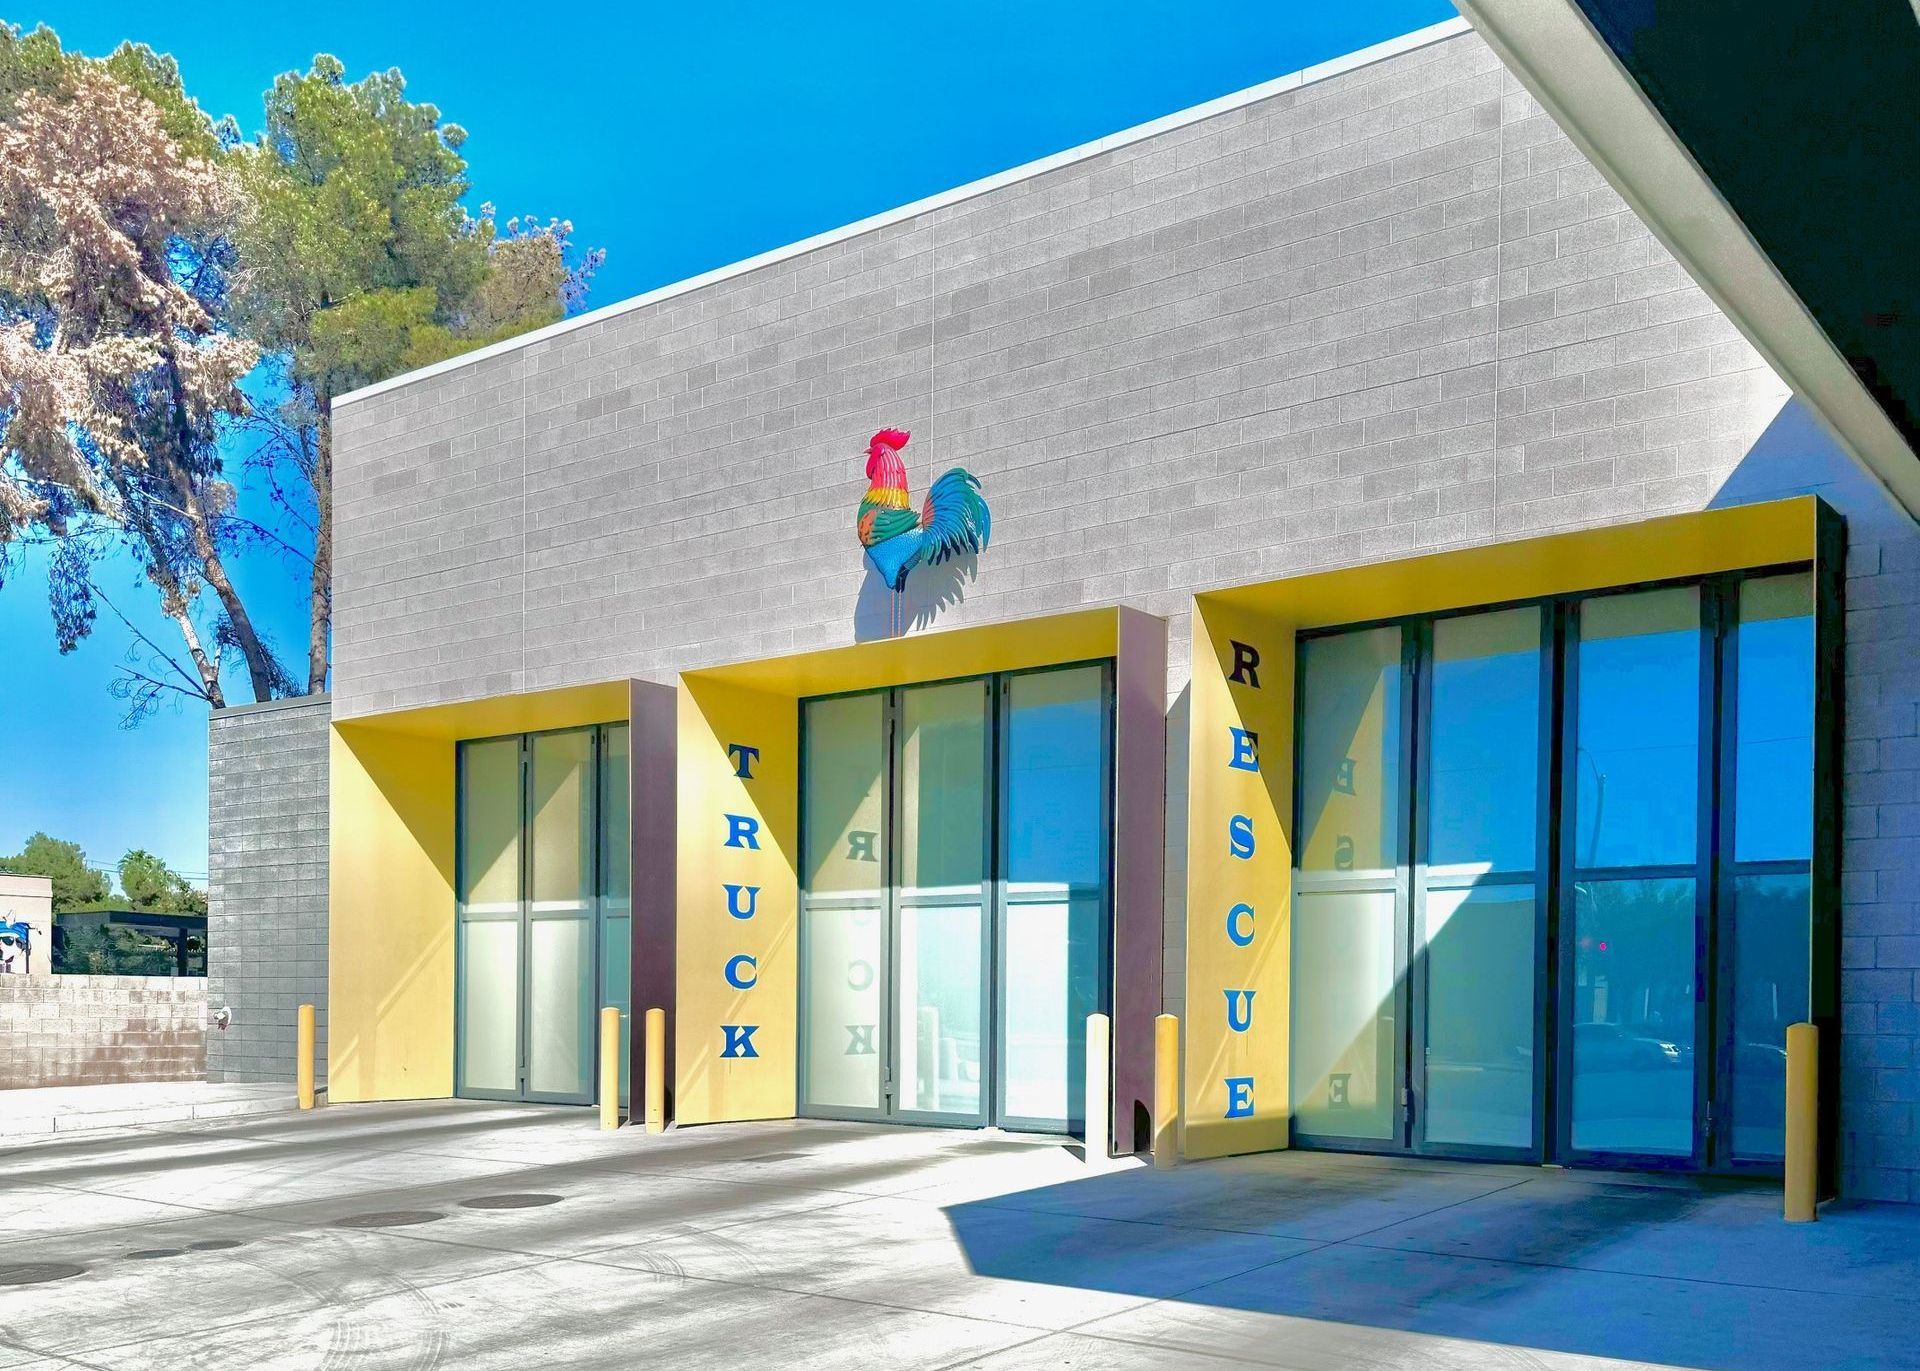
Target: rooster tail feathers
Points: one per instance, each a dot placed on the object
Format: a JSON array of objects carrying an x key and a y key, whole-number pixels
[{"x": 955, "y": 518}]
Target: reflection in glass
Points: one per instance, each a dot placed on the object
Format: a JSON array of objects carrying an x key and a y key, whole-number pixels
[
  {"x": 937, "y": 1018},
  {"x": 1637, "y": 767},
  {"x": 1773, "y": 772},
  {"x": 1771, "y": 935},
  {"x": 1056, "y": 867},
  {"x": 1350, "y": 751},
  {"x": 842, "y": 804},
  {"x": 616, "y": 893},
  {"x": 1485, "y": 749},
  {"x": 846, "y": 769},
  {"x": 1343, "y": 1017},
  {"x": 943, "y": 867},
  {"x": 1480, "y": 1016},
  {"x": 1633, "y": 1016}
]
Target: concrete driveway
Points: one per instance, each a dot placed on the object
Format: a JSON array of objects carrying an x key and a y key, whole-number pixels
[{"x": 474, "y": 1236}]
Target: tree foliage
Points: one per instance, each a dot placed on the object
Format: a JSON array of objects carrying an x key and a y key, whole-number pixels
[
  {"x": 154, "y": 888},
  {"x": 359, "y": 261},
  {"x": 75, "y": 884},
  {"x": 150, "y": 260}
]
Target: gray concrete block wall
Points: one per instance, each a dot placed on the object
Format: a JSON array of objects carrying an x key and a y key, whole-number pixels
[
  {"x": 101, "y": 1030},
  {"x": 1880, "y": 869},
  {"x": 1385, "y": 313},
  {"x": 267, "y": 892},
  {"x": 1389, "y": 312}
]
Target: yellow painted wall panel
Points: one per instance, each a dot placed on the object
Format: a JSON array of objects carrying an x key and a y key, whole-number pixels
[
  {"x": 390, "y": 930},
  {"x": 1240, "y": 861},
  {"x": 739, "y": 828}
]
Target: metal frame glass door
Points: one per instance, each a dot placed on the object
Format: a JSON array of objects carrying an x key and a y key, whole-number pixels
[
  {"x": 908, "y": 1004},
  {"x": 530, "y": 878},
  {"x": 1616, "y": 833}
]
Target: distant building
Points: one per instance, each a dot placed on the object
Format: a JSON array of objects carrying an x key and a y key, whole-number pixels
[
  {"x": 129, "y": 942},
  {"x": 26, "y": 925}
]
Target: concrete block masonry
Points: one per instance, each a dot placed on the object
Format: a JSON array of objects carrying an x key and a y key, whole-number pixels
[{"x": 99, "y": 1030}]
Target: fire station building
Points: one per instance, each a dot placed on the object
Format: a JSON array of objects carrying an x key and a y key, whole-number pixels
[{"x": 1449, "y": 632}]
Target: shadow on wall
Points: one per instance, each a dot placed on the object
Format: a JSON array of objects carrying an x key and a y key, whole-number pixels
[
  {"x": 930, "y": 591},
  {"x": 1795, "y": 455},
  {"x": 1488, "y": 1254}
]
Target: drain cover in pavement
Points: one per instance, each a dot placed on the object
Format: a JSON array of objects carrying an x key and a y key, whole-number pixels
[
  {"x": 509, "y": 1201},
  {"x": 213, "y": 1245},
  {"x": 389, "y": 1218},
  {"x": 147, "y": 1254},
  {"x": 38, "y": 1273}
]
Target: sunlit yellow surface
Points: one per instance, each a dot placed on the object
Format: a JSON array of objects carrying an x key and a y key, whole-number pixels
[
  {"x": 391, "y": 902},
  {"x": 758, "y": 703}
]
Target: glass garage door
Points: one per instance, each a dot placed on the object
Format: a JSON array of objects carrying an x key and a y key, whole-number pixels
[
  {"x": 954, "y": 912},
  {"x": 542, "y": 911},
  {"x": 1552, "y": 897}
]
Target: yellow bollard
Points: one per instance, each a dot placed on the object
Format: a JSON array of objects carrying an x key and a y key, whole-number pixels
[
  {"x": 1166, "y": 1091},
  {"x": 303, "y": 1057},
  {"x": 656, "y": 1071},
  {"x": 1099, "y": 1095},
  {"x": 1803, "y": 1123},
  {"x": 610, "y": 1067}
]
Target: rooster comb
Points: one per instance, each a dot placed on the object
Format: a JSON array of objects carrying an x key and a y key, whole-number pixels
[{"x": 895, "y": 438}]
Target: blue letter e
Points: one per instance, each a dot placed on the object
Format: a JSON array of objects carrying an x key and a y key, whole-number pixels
[
  {"x": 1239, "y": 1097},
  {"x": 1246, "y": 750}
]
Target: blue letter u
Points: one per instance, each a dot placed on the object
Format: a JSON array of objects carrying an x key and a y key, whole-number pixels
[
  {"x": 738, "y": 907},
  {"x": 1239, "y": 1010}
]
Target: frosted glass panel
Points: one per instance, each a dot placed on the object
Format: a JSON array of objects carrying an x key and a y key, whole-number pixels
[
  {"x": 490, "y": 1005},
  {"x": 490, "y": 823},
  {"x": 1350, "y": 751},
  {"x": 1636, "y": 780},
  {"x": 560, "y": 1042},
  {"x": 1480, "y": 1016},
  {"x": 1633, "y": 1016},
  {"x": 1343, "y": 1016},
  {"x": 845, "y": 954}
]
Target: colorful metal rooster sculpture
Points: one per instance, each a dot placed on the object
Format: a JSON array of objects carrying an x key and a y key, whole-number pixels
[{"x": 953, "y": 523}]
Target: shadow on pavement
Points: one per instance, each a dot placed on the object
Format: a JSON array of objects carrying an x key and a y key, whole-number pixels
[{"x": 1697, "y": 1275}]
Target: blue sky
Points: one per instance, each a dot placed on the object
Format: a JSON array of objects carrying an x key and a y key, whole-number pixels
[{"x": 679, "y": 138}]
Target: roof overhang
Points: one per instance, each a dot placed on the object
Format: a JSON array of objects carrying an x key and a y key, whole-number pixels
[{"x": 1560, "y": 57}]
